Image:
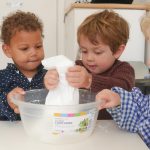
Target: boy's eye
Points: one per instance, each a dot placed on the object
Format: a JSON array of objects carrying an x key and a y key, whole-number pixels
[
  {"x": 83, "y": 51},
  {"x": 98, "y": 52},
  {"x": 24, "y": 49},
  {"x": 39, "y": 46}
]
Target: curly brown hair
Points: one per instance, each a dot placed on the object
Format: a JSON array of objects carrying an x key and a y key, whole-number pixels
[
  {"x": 106, "y": 26},
  {"x": 19, "y": 21}
]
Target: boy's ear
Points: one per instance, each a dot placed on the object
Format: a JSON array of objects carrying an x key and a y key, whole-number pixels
[
  {"x": 6, "y": 50},
  {"x": 120, "y": 50}
]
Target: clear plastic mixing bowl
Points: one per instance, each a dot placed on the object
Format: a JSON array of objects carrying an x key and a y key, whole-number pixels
[{"x": 57, "y": 124}]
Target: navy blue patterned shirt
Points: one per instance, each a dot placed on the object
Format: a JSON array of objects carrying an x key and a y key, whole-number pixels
[
  {"x": 134, "y": 113},
  {"x": 11, "y": 78}
]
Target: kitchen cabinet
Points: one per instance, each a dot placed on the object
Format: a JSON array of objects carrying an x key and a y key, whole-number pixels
[{"x": 76, "y": 13}]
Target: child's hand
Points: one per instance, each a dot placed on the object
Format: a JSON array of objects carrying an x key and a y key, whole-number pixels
[
  {"x": 51, "y": 79},
  {"x": 9, "y": 98},
  {"x": 108, "y": 99},
  {"x": 78, "y": 77}
]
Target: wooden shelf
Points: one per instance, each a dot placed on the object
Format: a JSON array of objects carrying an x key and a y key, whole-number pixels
[{"x": 108, "y": 6}]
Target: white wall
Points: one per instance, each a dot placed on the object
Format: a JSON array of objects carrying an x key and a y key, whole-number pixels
[{"x": 60, "y": 26}]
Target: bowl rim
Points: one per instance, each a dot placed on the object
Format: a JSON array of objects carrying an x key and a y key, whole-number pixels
[{"x": 19, "y": 103}]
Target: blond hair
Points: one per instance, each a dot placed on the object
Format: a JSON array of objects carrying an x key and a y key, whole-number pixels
[
  {"x": 107, "y": 26},
  {"x": 145, "y": 25}
]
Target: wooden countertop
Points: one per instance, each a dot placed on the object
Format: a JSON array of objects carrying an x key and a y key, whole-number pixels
[{"x": 145, "y": 6}]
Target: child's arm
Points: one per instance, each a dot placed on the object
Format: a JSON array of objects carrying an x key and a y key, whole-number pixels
[
  {"x": 108, "y": 99},
  {"x": 9, "y": 98},
  {"x": 134, "y": 112},
  {"x": 121, "y": 74},
  {"x": 5, "y": 110},
  {"x": 51, "y": 79},
  {"x": 78, "y": 77}
]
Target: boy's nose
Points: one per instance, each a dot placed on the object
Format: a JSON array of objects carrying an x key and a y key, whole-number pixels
[
  {"x": 89, "y": 57},
  {"x": 33, "y": 51}
]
